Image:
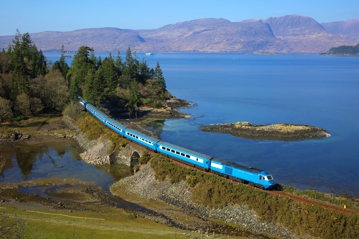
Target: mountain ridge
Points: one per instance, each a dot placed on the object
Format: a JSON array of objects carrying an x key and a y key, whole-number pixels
[{"x": 285, "y": 34}]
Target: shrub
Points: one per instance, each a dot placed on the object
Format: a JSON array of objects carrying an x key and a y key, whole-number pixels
[{"x": 144, "y": 159}]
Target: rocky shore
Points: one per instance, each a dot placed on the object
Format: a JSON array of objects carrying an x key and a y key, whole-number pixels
[{"x": 268, "y": 132}]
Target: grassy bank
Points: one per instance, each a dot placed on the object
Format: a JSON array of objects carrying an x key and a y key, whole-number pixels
[
  {"x": 77, "y": 212},
  {"x": 109, "y": 223}
]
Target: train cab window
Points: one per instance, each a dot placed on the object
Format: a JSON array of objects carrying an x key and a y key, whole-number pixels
[{"x": 269, "y": 177}]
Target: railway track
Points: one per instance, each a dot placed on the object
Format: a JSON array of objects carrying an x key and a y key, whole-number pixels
[{"x": 323, "y": 204}]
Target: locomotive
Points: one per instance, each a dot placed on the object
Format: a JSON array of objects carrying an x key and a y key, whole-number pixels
[{"x": 234, "y": 171}]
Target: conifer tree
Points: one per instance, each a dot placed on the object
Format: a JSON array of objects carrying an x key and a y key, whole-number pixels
[
  {"x": 61, "y": 64},
  {"x": 109, "y": 73},
  {"x": 160, "y": 80},
  {"x": 81, "y": 65},
  {"x": 26, "y": 62}
]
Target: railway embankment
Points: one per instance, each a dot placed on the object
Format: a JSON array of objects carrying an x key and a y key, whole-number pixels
[
  {"x": 236, "y": 206},
  {"x": 175, "y": 200},
  {"x": 268, "y": 132}
]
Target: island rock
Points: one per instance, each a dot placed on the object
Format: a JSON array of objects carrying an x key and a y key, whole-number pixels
[{"x": 268, "y": 132}]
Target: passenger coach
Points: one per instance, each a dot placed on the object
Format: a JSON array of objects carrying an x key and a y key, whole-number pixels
[
  {"x": 185, "y": 155},
  {"x": 142, "y": 139}
]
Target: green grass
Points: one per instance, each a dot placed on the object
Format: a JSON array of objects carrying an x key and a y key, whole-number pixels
[
  {"x": 110, "y": 223},
  {"x": 340, "y": 201}
]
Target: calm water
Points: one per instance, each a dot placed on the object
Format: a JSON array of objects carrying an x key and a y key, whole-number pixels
[
  {"x": 60, "y": 159},
  {"x": 302, "y": 89}
]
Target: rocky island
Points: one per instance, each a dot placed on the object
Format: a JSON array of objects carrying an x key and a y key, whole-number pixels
[{"x": 268, "y": 132}]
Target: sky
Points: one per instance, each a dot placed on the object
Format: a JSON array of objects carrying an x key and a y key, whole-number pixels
[{"x": 66, "y": 15}]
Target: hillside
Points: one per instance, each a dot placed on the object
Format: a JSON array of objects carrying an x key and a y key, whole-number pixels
[
  {"x": 348, "y": 29},
  {"x": 287, "y": 34}
]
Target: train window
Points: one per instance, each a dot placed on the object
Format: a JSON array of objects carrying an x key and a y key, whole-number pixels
[
  {"x": 163, "y": 147},
  {"x": 182, "y": 154},
  {"x": 168, "y": 149},
  {"x": 177, "y": 152},
  {"x": 172, "y": 151},
  {"x": 188, "y": 156}
]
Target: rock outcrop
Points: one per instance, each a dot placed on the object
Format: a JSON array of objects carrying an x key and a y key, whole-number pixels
[{"x": 268, "y": 132}]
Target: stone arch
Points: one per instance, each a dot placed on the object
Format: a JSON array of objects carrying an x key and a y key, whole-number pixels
[{"x": 134, "y": 159}]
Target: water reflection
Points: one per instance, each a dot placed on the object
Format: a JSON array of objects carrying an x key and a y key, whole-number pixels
[{"x": 60, "y": 159}]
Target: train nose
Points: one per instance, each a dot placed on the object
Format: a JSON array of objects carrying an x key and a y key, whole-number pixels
[{"x": 275, "y": 186}]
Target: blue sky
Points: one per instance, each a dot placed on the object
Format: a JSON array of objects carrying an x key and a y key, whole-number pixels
[{"x": 65, "y": 15}]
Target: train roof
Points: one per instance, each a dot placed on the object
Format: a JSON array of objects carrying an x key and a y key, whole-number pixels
[
  {"x": 185, "y": 150},
  {"x": 237, "y": 165},
  {"x": 133, "y": 131},
  {"x": 115, "y": 121}
]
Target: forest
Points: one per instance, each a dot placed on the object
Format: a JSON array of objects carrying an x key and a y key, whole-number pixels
[{"x": 30, "y": 86}]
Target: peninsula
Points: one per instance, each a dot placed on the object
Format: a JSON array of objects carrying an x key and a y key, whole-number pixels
[{"x": 288, "y": 132}]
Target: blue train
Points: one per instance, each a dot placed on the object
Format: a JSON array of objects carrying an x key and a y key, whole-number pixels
[{"x": 205, "y": 162}]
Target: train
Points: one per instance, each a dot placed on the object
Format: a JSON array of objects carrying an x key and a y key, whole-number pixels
[{"x": 230, "y": 170}]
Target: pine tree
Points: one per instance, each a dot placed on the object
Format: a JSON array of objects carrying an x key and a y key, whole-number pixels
[
  {"x": 26, "y": 63},
  {"x": 108, "y": 72},
  {"x": 160, "y": 81},
  {"x": 81, "y": 65},
  {"x": 61, "y": 64}
]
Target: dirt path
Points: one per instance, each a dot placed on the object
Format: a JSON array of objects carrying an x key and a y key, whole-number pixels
[{"x": 313, "y": 202}]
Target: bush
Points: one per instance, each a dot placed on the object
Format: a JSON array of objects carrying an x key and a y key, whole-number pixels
[
  {"x": 144, "y": 159},
  {"x": 5, "y": 109},
  {"x": 73, "y": 110}
]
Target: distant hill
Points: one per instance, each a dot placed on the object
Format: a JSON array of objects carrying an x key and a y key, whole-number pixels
[
  {"x": 348, "y": 29},
  {"x": 287, "y": 34}
]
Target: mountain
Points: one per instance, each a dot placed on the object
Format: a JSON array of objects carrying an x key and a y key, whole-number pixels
[
  {"x": 286, "y": 34},
  {"x": 210, "y": 35},
  {"x": 348, "y": 29}
]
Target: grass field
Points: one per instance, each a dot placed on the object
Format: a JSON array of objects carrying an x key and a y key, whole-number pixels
[{"x": 103, "y": 223}]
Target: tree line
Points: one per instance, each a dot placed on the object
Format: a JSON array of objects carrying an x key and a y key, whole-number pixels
[{"x": 30, "y": 86}]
